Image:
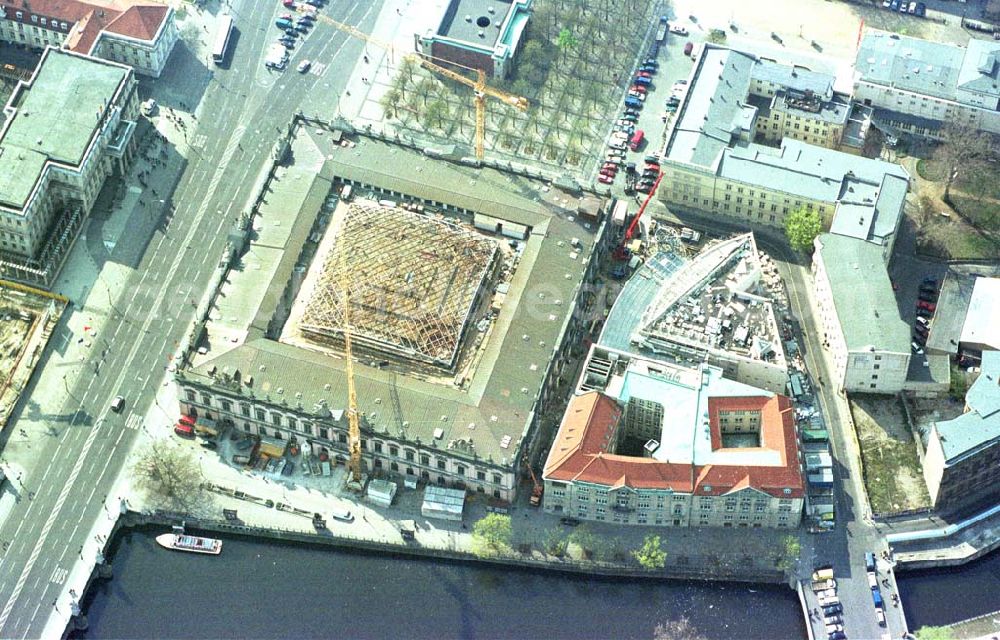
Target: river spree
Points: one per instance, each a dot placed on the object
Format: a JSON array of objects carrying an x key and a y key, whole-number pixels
[{"x": 269, "y": 590}]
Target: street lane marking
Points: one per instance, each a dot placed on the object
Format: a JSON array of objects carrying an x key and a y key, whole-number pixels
[
  {"x": 58, "y": 575},
  {"x": 133, "y": 422},
  {"x": 199, "y": 141},
  {"x": 23, "y": 578}
]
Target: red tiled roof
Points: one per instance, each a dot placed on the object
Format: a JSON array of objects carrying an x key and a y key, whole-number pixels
[
  {"x": 87, "y": 18},
  {"x": 580, "y": 451},
  {"x": 139, "y": 21}
]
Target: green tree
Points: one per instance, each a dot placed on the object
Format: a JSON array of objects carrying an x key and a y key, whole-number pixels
[
  {"x": 491, "y": 535},
  {"x": 555, "y": 543},
  {"x": 801, "y": 228},
  {"x": 437, "y": 112},
  {"x": 566, "y": 41},
  {"x": 964, "y": 149},
  {"x": 407, "y": 67},
  {"x": 390, "y": 102},
  {"x": 651, "y": 554},
  {"x": 788, "y": 553},
  {"x": 590, "y": 544},
  {"x": 935, "y": 633}
]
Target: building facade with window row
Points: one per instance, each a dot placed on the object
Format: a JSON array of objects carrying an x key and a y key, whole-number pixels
[
  {"x": 139, "y": 34},
  {"x": 725, "y": 455},
  {"x": 916, "y": 86},
  {"x": 68, "y": 128}
]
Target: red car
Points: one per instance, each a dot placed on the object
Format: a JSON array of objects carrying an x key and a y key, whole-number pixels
[
  {"x": 608, "y": 172},
  {"x": 929, "y": 306},
  {"x": 184, "y": 430},
  {"x": 638, "y": 88},
  {"x": 605, "y": 179},
  {"x": 289, "y": 3},
  {"x": 610, "y": 165}
]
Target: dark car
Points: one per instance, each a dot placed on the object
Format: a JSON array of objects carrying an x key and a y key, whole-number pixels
[
  {"x": 653, "y": 160},
  {"x": 631, "y": 112},
  {"x": 288, "y": 42},
  {"x": 651, "y": 62},
  {"x": 927, "y": 296},
  {"x": 569, "y": 522},
  {"x": 837, "y": 635},
  {"x": 648, "y": 68},
  {"x": 920, "y": 329},
  {"x": 631, "y": 117},
  {"x": 930, "y": 306},
  {"x": 302, "y": 28},
  {"x": 919, "y": 339},
  {"x": 930, "y": 280},
  {"x": 924, "y": 313},
  {"x": 209, "y": 444},
  {"x": 832, "y": 609}
]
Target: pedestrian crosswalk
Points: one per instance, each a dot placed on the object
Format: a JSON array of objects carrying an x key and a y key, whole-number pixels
[
  {"x": 318, "y": 69},
  {"x": 58, "y": 575},
  {"x": 199, "y": 141},
  {"x": 133, "y": 422}
]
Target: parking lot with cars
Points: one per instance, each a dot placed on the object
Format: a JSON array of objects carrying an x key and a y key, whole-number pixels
[
  {"x": 648, "y": 107},
  {"x": 293, "y": 27}
]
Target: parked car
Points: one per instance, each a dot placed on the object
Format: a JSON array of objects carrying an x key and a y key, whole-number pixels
[
  {"x": 688, "y": 48},
  {"x": 837, "y": 635},
  {"x": 283, "y": 24},
  {"x": 209, "y": 444},
  {"x": 931, "y": 280},
  {"x": 833, "y": 609},
  {"x": 653, "y": 160},
  {"x": 290, "y": 4},
  {"x": 118, "y": 404},
  {"x": 339, "y": 513},
  {"x": 923, "y": 304},
  {"x": 608, "y": 172},
  {"x": 569, "y": 522},
  {"x": 920, "y": 330},
  {"x": 921, "y": 10},
  {"x": 923, "y": 313},
  {"x": 639, "y": 88},
  {"x": 917, "y": 349},
  {"x": 630, "y": 118},
  {"x": 923, "y": 322},
  {"x": 927, "y": 296},
  {"x": 288, "y": 42},
  {"x": 880, "y": 617},
  {"x": 184, "y": 430},
  {"x": 304, "y": 66},
  {"x": 643, "y": 81},
  {"x": 605, "y": 179},
  {"x": 678, "y": 31},
  {"x": 648, "y": 68},
  {"x": 302, "y": 28},
  {"x": 636, "y": 95},
  {"x": 834, "y": 619},
  {"x": 643, "y": 74},
  {"x": 610, "y": 165}
]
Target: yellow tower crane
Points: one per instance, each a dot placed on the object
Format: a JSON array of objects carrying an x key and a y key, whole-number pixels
[
  {"x": 479, "y": 86},
  {"x": 353, "y": 416}
]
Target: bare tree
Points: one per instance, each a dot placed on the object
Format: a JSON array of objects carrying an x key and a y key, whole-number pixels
[
  {"x": 169, "y": 475},
  {"x": 963, "y": 149}
]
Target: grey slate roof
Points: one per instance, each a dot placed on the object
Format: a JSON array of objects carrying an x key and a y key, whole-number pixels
[
  {"x": 499, "y": 399},
  {"x": 796, "y": 78},
  {"x": 714, "y": 109},
  {"x": 981, "y": 68},
  {"x": 862, "y": 295},
  {"x": 912, "y": 64},
  {"x": 981, "y": 423}
]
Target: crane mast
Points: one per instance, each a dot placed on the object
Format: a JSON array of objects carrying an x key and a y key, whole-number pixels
[{"x": 353, "y": 417}]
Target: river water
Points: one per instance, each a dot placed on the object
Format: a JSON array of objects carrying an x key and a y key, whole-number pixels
[
  {"x": 274, "y": 590},
  {"x": 263, "y": 589}
]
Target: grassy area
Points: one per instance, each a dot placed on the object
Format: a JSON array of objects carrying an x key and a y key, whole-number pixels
[
  {"x": 573, "y": 67},
  {"x": 893, "y": 475},
  {"x": 931, "y": 170},
  {"x": 984, "y": 214},
  {"x": 954, "y": 239}
]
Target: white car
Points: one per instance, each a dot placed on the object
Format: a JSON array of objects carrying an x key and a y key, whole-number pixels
[
  {"x": 304, "y": 66},
  {"x": 617, "y": 144},
  {"x": 637, "y": 95},
  {"x": 680, "y": 31},
  {"x": 342, "y": 514}
]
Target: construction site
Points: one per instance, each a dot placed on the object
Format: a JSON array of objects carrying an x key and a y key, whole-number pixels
[
  {"x": 415, "y": 287},
  {"x": 27, "y": 318},
  {"x": 411, "y": 316}
]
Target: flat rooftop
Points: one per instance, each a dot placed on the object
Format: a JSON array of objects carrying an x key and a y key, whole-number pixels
[
  {"x": 863, "y": 295},
  {"x": 411, "y": 281},
  {"x": 485, "y": 409},
  {"x": 465, "y": 20},
  {"x": 982, "y": 322},
  {"x": 54, "y": 118}
]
